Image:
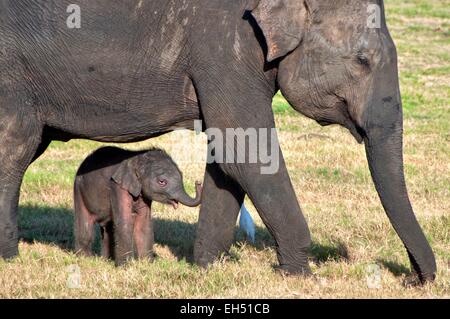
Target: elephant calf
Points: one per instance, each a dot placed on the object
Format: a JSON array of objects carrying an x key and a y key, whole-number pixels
[{"x": 115, "y": 188}]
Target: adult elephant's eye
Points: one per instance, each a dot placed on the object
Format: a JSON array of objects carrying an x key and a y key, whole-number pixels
[
  {"x": 363, "y": 60},
  {"x": 162, "y": 182}
]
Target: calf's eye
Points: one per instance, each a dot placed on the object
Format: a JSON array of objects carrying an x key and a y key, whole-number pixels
[{"x": 162, "y": 182}]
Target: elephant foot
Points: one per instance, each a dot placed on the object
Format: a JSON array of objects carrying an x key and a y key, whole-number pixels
[
  {"x": 84, "y": 253},
  {"x": 9, "y": 245},
  {"x": 150, "y": 257},
  {"x": 416, "y": 280},
  {"x": 207, "y": 251},
  {"x": 289, "y": 270},
  {"x": 9, "y": 251},
  {"x": 204, "y": 260}
]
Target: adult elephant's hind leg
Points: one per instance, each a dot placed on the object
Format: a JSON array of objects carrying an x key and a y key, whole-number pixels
[
  {"x": 221, "y": 200},
  {"x": 20, "y": 136}
]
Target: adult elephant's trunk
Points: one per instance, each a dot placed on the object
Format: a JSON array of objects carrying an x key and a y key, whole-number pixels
[
  {"x": 187, "y": 200},
  {"x": 384, "y": 149}
]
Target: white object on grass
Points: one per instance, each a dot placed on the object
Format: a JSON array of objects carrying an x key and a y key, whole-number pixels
[{"x": 246, "y": 224}]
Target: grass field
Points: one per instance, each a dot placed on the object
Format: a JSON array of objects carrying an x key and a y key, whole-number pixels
[{"x": 350, "y": 230}]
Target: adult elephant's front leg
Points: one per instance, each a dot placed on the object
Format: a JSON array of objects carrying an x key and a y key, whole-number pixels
[
  {"x": 276, "y": 202},
  {"x": 236, "y": 105},
  {"x": 221, "y": 201}
]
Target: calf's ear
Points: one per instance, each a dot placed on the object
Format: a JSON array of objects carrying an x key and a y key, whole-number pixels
[
  {"x": 126, "y": 178},
  {"x": 283, "y": 23}
]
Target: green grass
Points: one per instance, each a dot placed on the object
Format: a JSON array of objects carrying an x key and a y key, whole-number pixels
[
  {"x": 414, "y": 8},
  {"x": 329, "y": 172}
]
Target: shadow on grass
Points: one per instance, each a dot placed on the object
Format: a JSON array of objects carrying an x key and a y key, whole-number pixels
[
  {"x": 52, "y": 225},
  {"x": 178, "y": 236},
  {"x": 395, "y": 268},
  {"x": 49, "y": 225},
  {"x": 334, "y": 251}
]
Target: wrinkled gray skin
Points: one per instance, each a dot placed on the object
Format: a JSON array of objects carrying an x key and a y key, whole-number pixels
[
  {"x": 115, "y": 188},
  {"x": 138, "y": 69}
]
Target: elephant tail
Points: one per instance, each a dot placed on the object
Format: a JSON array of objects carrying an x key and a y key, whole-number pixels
[{"x": 247, "y": 224}]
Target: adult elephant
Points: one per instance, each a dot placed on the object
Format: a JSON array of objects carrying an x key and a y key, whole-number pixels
[{"x": 140, "y": 68}]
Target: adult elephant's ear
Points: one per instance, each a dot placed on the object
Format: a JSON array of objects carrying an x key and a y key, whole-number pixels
[
  {"x": 126, "y": 178},
  {"x": 283, "y": 23}
]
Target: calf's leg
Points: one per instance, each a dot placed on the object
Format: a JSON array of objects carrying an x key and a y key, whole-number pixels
[
  {"x": 123, "y": 221},
  {"x": 83, "y": 224},
  {"x": 143, "y": 233},
  {"x": 108, "y": 241}
]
